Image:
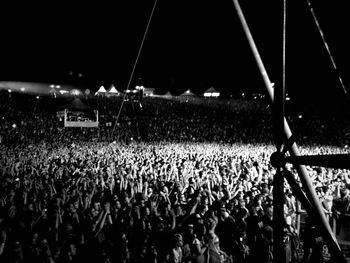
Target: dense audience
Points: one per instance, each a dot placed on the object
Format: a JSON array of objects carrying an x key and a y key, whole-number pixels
[{"x": 175, "y": 182}]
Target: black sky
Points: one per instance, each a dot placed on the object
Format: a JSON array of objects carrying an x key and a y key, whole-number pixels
[{"x": 190, "y": 44}]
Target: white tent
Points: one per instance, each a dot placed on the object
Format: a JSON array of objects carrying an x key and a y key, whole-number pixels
[
  {"x": 101, "y": 91},
  {"x": 113, "y": 91},
  {"x": 211, "y": 92},
  {"x": 187, "y": 93}
]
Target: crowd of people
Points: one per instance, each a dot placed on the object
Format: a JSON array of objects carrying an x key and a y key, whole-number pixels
[{"x": 176, "y": 182}]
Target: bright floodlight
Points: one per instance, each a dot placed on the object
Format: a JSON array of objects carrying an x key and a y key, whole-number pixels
[
  {"x": 140, "y": 87},
  {"x": 37, "y": 97},
  {"x": 211, "y": 94},
  {"x": 52, "y": 86},
  {"x": 9, "y": 90},
  {"x": 23, "y": 89},
  {"x": 58, "y": 86}
]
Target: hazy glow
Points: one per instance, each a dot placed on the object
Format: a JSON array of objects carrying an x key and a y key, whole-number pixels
[
  {"x": 33, "y": 87},
  {"x": 75, "y": 92}
]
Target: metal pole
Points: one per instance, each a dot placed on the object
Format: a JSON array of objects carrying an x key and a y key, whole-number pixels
[
  {"x": 279, "y": 253},
  {"x": 305, "y": 180},
  {"x": 298, "y": 217}
]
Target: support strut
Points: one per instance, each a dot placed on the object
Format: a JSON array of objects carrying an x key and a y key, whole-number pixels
[{"x": 320, "y": 218}]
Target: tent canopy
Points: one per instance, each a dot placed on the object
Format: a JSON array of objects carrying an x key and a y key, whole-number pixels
[
  {"x": 187, "y": 93},
  {"x": 113, "y": 90},
  {"x": 101, "y": 90},
  {"x": 211, "y": 90}
]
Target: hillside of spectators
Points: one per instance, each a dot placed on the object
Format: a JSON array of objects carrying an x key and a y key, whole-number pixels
[{"x": 31, "y": 119}]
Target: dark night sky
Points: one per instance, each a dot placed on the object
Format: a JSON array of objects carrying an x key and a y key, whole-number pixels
[{"x": 194, "y": 43}]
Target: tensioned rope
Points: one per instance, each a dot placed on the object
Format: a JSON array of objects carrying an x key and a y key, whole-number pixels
[
  {"x": 327, "y": 47},
  {"x": 134, "y": 67}
]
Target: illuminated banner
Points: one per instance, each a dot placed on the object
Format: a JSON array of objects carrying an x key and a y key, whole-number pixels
[
  {"x": 86, "y": 124},
  {"x": 80, "y": 119}
]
